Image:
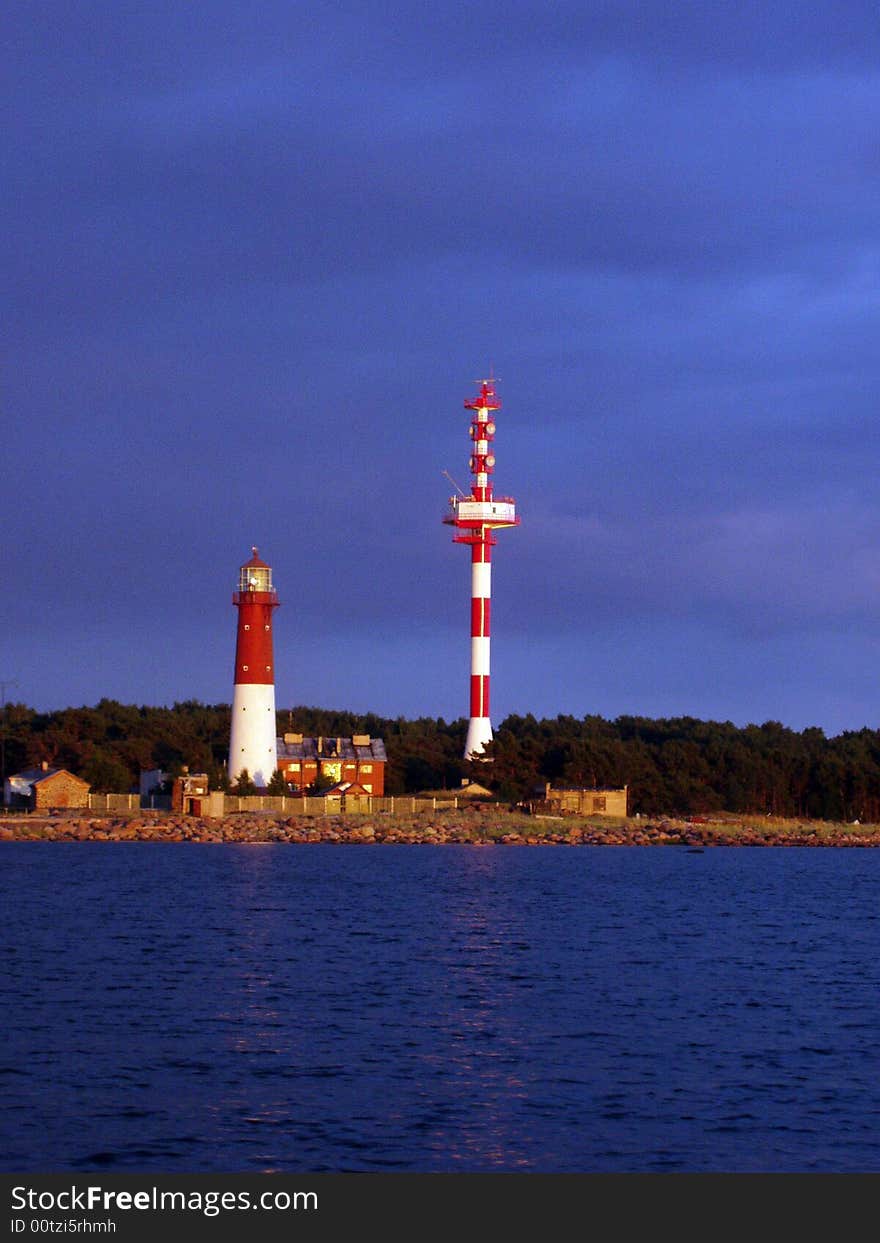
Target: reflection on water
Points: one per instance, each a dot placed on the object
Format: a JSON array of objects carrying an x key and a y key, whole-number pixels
[{"x": 348, "y": 1008}]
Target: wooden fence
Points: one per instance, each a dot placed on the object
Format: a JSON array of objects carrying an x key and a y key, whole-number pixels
[{"x": 286, "y": 804}]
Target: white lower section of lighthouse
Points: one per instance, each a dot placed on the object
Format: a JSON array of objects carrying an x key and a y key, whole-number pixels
[{"x": 252, "y": 739}]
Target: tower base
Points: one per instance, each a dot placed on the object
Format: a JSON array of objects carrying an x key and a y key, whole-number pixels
[
  {"x": 252, "y": 741},
  {"x": 479, "y": 733}
]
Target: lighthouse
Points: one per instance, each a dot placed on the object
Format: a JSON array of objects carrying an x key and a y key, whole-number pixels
[
  {"x": 475, "y": 519},
  {"x": 252, "y": 739}
]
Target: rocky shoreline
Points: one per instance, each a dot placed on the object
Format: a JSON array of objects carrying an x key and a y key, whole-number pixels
[{"x": 468, "y": 826}]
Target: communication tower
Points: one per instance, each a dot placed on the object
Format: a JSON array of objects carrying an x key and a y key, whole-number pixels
[{"x": 476, "y": 518}]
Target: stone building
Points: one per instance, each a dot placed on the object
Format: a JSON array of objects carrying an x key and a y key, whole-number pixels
[{"x": 43, "y": 788}]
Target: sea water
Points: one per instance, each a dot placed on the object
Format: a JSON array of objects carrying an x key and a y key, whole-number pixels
[{"x": 198, "y": 1008}]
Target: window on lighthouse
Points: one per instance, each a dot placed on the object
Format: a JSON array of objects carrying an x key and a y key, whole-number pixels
[{"x": 255, "y": 578}]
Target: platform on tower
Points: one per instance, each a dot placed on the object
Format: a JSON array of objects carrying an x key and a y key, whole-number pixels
[{"x": 464, "y": 511}]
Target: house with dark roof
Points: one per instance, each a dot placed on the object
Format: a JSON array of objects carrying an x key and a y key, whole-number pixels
[{"x": 360, "y": 760}]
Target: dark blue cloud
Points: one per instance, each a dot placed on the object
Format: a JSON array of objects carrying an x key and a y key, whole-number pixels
[{"x": 254, "y": 263}]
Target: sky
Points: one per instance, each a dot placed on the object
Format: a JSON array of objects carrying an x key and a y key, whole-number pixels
[{"x": 256, "y": 259}]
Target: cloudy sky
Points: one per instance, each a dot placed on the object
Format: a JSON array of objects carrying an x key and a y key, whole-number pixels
[{"x": 255, "y": 260}]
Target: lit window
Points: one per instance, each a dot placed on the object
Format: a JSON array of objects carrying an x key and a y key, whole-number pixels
[{"x": 366, "y": 768}]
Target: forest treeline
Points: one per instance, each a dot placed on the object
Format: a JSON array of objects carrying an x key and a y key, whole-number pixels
[{"x": 679, "y": 766}]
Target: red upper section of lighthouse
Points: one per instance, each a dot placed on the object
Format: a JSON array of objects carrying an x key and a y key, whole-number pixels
[
  {"x": 256, "y": 598},
  {"x": 255, "y": 561}
]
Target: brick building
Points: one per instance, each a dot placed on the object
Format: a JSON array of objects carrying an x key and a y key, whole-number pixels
[
  {"x": 43, "y": 788},
  {"x": 360, "y": 760}
]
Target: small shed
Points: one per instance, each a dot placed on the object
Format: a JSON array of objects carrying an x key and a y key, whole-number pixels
[
  {"x": 43, "y": 788},
  {"x": 348, "y": 796},
  {"x": 190, "y": 795},
  {"x": 578, "y": 801},
  {"x": 473, "y": 789}
]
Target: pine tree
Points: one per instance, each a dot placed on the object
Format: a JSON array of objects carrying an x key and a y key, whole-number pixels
[
  {"x": 244, "y": 786},
  {"x": 277, "y": 784}
]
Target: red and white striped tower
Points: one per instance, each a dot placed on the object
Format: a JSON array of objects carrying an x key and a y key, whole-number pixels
[
  {"x": 252, "y": 739},
  {"x": 475, "y": 518}
]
